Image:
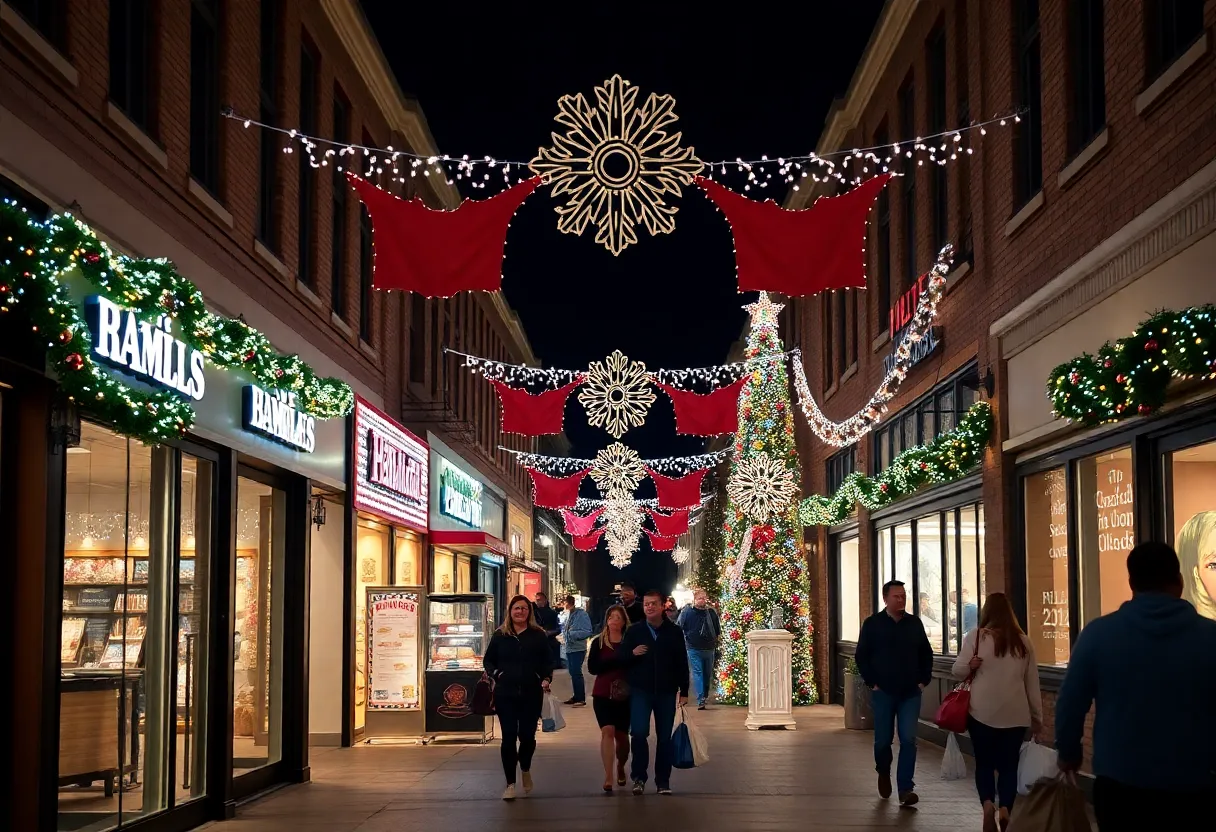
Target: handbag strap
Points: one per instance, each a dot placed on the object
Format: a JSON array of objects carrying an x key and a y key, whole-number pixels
[{"x": 966, "y": 685}]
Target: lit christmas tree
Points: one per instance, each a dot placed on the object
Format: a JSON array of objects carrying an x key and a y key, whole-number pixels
[{"x": 764, "y": 567}]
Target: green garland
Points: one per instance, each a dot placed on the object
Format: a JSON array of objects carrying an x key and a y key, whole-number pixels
[
  {"x": 1131, "y": 376},
  {"x": 947, "y": 458},
  {"x": 35, "y": 256}
]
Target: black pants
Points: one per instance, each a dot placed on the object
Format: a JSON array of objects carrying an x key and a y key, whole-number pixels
[
  {"x": 996, "y": 761},
  {"x": 517, "y": 718},
  {"x": 1119, "y": 807}
]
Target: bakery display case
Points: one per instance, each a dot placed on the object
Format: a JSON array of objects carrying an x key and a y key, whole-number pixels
[{"x": 458, "y": 632}]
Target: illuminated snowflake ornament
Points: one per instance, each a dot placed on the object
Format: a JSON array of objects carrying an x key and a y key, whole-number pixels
[
  {"x": 616, "y": 394},
  {"x": 616, "y": 163},
  {"x": 617, "y": 470},
  {"x": 761, "y": 487},
  {"x": 680, "y": 556}
]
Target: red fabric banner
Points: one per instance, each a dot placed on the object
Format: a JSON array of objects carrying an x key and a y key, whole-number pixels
[
  {"x": 580, "y": 526},
  {"x": 799, "y": 252},
  {"x": 670, "y": 525},
  {"x": 533, "y": 415},
  {"x": 439, "y": 253},
  {"x": 660, "y": 543},
  {"x": 706, "y": 414},
  {"x": 678, "y": 492},
  {"x": 556, "y": 492},
  {"x": 587, "y": 542}
]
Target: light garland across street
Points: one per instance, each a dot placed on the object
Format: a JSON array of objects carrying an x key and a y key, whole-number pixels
[{"x": 565, "y": 465}]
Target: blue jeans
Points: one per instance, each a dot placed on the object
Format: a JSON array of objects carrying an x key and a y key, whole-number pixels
[
  {"x": 702, "y": 664},
  {"x": 642, "y": 704},
  {"x": 889, "y": 710},
  {"x": 574, "y": 661}
]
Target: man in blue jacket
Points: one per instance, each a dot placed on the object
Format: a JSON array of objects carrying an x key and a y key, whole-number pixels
[
  {"x": 575, "y": 633},
  {"x": 653, "y": 650},
  {"x": 1149, "y": 669}
]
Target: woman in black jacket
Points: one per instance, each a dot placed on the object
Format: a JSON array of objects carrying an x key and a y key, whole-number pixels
[{"x": 519, "y": 662}]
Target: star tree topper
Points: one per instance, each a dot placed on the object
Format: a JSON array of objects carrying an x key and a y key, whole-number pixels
[{"x": 764, "y": 312}]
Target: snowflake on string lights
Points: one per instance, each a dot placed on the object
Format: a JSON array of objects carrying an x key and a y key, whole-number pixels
[
  {"x": 680, "y": 556},
  {"x": 617, "y": 470},
  {"x": 616, "y": 393},
  {"x": 616, "y": 162},
  {"x": 761, "y": 486}
]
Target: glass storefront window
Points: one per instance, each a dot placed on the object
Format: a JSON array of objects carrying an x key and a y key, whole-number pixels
[
  {"x": 1105, "y": 516},
  {"x": 444, "y": 577},
  {"x": 193, "y": 626},
  {"x": 1045, "y": 499},
  {"x": 903, "y": 558},
  {"x": 848, "y": 575},
  {"x": 969, "y": 598},
  {"x": 407, "y": 554},
  {"x": 884, "y": 565},
  {"x": 929, "y": 578},
  {"x": 953, "y": 637},
  {"x": 371, "y": 569},
  {"x": 1191, "y": 482},
  {"x": 464, "y": 574}
]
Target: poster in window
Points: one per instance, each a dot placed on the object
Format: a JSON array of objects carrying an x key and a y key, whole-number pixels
[
  {"x": 1193, "y": 475},
  {"x": 392, "y": 650},
  {"x": 1047, "y": 608},
  {"x": 1106, "y": 530}
]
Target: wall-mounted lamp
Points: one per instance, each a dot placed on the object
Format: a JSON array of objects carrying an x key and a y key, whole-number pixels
[{"x": 318, "y": 511}]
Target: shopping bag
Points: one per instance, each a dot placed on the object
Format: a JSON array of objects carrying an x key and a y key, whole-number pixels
[
  {"x": 483, "y": 696},
  {"x": 700, "y": 745},
  {"x": 551, "y": 715},
  {"x": 954, "y": 766},
  {"x": 681, "y": 745},
  {"x": 1035, "y": 763},
  {"x": 1055, "y": 805}
]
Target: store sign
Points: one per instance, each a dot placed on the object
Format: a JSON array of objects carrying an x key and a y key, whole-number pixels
[
  {"x": 900, "y": 316},
  {"x": 274, "y": 415},
  {"x": 459, "y": 495},
  {"x": 147, "y": 351},
  {"x": 392, "y": 478}
]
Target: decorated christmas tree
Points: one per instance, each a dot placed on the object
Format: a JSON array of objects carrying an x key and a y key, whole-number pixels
[
  {"x": 764, "y": 570},
  {"x": 710, "y": 559}
]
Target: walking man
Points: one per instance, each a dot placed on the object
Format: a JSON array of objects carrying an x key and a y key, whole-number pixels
[
  {"x": 575, "y": 633},
  {"x": 653, "y": 650},
  {"x": 896, "y": 663},
  {"x": 701, "y": 627},
  {"x": 1152, "y": 756},
  {"x": 629, "y": 600},
  {"x": 546, "y": 619}
]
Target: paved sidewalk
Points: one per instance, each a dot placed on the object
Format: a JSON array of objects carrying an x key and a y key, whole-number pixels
[{"x": 819, "y": 777}]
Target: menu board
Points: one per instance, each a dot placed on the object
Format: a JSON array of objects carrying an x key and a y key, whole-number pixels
[{"x": 393, "y": 681}]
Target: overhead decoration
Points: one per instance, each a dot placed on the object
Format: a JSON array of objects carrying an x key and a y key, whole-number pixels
[
  {"x": 557, "y": 465},
  {"x": 670, "y": 525},
  {"x": 678, "y": 492},
  {"x": 1132, "y": 376},
  {"x": 659, "y": 542},
  {"x": 531, "y": 414},
  {"x": 949, "y": 457},
  {"x": 623, "y": 527},
  {"x": 555, "y": 492},
  {"x": 439, "y": 253},
  {"x": 587, "y": 542},
  {"x": 616, "y": 163},
  {"x": 616, "y": 394},
  {"x": 617, "y": 470},
  {"x": 799, "y": 252},
  {"x": 860, "y": 423},
  {"x": 516, "y": 375},
  {"x": 708, "y": 414},
  {"x": 761, "y": 486},
  {"x": 580, "y": 525},
  {"x": 679, "y": 556},
  {"x": 37, "y": 257}
]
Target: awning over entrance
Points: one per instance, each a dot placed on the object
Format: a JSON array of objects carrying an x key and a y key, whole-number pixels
[{"x": 469, "y": 543}]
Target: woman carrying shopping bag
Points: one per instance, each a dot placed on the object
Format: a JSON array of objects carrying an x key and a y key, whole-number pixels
[
  {"x": 519, "y": 661},
  {"x": 610, "y": 694},
  {"x": 1005, "y": 701}
]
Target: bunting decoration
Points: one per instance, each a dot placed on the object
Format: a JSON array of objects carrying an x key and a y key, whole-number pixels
[
  {"x": 555, "y": 492},
  {"x": 670, "y": 525},
  {"x": 708, "y": 414},
  {"x": 661, "y": 543},
  {"x": 587, "y": 542},
  {"x": 529, "y": 414},
  {"x": 439, "y": 253},
  {"x": 803, "y": 252},
  {"x": 580, "y": 525},
  {"x": 678, "y": 492}
]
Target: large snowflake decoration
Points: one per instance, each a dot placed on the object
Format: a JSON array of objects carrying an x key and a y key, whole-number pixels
[
  {"x": 616, "y": 394},
  {"x": 762, "y": 487},
  {"x": 617, "y": 470},
  {"x": 680, "y": 556},
  {"x": 622, "y": 520},
  {"x": 616, "y": 162}
]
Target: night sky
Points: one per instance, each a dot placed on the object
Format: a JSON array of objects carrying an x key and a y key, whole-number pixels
[{"x": 758, "y": 85}]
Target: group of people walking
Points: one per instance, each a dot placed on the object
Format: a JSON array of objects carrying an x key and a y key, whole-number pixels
[{"x": 641, "y": 663}]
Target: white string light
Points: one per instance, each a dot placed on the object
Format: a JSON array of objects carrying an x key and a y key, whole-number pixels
[{"x": 565, "y": 465}]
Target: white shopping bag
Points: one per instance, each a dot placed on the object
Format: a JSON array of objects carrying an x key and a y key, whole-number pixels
[
  {"x": 1036, "y": 762},
  {"x": 954, "y": 766},
  {"x": 551, "y": 715}
]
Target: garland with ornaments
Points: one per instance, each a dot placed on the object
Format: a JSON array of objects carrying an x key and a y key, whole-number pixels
[
  {"x": 35, "y": 258},
  {"x": 947, "y": 458},
  {"x": 1132, "y": 376}
]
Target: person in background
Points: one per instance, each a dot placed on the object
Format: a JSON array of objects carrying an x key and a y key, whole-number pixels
[
  {"x": 702, "y": 630},
  {"x": 575, "y": 632},
  {"x": 669, "y": 609},
  {"x": 1005, "y": 701},
  {"x": 610, "y": 695},
  {"x": 629, "y": 600},
  {"x": 519, "y": 661},
  {"x": 1197, "y": 553},
  {"x": 970, "y": 612},
  {"x": 653, "y": 650},
  {"x": 896, "y": 663},
  {"x": 1149, "y": 670},
  {"x": 547, "y": 618}
]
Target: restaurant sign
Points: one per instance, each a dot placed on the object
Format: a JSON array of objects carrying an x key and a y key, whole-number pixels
[{"x": 900, "y": 316}]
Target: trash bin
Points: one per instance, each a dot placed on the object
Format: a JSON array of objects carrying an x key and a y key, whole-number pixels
[{"x": 858, "y": 714}]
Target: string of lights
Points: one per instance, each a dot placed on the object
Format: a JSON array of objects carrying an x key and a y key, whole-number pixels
[{"x": 565, "y": 465}]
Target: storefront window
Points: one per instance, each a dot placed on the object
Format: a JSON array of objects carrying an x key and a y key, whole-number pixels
[
  {"x": 1046, "y": 512},
  {"x": 1191, "y": 478},
  {"x": 464, "y": 574},
  {"x": 1106, "y": 532},
  {"x": 407, "y": 554},
  {"x": 193, "y": 625},
  {"x": 371, "y": 569},
  {"x": 849, "y": 588},
  {"x": 444, "y": 577},
  {"x": 885, "y": 572},
  {"x": 903, "y": 557},
  {"x": 929, "y": 577}
]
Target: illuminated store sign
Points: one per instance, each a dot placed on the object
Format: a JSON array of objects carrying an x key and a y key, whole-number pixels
[
  {"x": 147, "y": 351},
  {"x": 274, "y": 415},
  {"x": 459, "y": 495},
  {"x": 392, "y": 476},
  {"x": 901, "y": 314}
]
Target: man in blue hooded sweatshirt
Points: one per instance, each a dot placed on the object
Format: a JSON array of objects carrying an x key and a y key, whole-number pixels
[{"x": 1149, "y": 669}]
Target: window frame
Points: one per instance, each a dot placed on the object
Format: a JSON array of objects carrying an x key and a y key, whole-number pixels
[
  {"x": 270, "y": 44},
  {"x": 132, "y": 49},
  {"x": 907, "y": 123},
  {"x": 884, "y": 435},
  {"x": 206, "y": 31},
  {"x": 1086, "y": 73},
  {"x": 937, "y": 67},
  {"x": 46, "y": 17},
  {"x": 1027, "y": 85},
  {"x": 340, "y": 210},
  {"x": 1164, "y": 39},
  {"x": 306, "y": 197}
]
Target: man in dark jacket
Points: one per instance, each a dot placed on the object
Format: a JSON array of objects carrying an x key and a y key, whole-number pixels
[
  {"x": 546, "y": 618},
  {"x": 896, "y": 663},
  {"x": 653, "y": 650},
  {"x": 701, "y": 627},
  {"x": 629, "y": 600}
]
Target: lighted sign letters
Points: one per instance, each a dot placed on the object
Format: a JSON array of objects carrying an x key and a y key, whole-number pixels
[
  {"x": 459, "y": 495},
  {"x": 274, "y": 415},
  {"x": 898, "y": 319},
  {"x": 392, "y": 469},
  {"x": 147, "y": 351}
]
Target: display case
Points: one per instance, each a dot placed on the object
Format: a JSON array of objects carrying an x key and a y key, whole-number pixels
[{"x": 458, "y": 632}]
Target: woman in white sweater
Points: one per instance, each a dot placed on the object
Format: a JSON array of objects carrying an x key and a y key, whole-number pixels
[{"x": 1005, "y": 701}]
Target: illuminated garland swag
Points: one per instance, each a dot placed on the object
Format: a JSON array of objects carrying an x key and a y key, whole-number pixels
[{"x": 34, "y": 256}]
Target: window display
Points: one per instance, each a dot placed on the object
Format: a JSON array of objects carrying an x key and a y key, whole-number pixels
[
  {"x": 930, "y": 583},
  {"x": 1106, "y": 530},
  {"x": 371, "y": 569},
  {"x": 1045, "y": 499},
  {"x": 848, "y": 577},
  {"x": 1191, "y": 475},
  {"x": 458, "y": 633},
  {"x": 407, "y": 554}
]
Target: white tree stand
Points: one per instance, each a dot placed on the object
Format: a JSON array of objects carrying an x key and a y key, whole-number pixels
[{"x": 770, "y": 690}]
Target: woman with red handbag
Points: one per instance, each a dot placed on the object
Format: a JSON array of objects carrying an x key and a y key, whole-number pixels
[
  {"x": 999, "y": 662},
  {"x": 610, "y": 694}
]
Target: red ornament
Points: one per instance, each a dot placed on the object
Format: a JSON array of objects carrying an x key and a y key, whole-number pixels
[
  {"x": 1119, "y": 379},
  {"x": 1108, "y": 363},
  {"x": 1144, "y": 409},
  {"x": 736, "y": 635},
  {"x": 1151, "y": 344},
  {"x": 1074, "y": 377},
  {"x": 883, "y": 487},
  {"x": 1119, "y": 408},
  {"x": 754, "y": 583},
  {"x": 65, "y": 336},
  {"x": 249, "y": 356},
  {"x": 763, "y": 535},
  {"x": 924, "y": 466},
  {"x": 794, "y": 599},
  {"x": 92, "y": 257},
  {"x": 74, "y": 361}
]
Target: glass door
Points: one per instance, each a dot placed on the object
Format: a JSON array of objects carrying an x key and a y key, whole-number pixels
[{"x": 197, "y": 482}]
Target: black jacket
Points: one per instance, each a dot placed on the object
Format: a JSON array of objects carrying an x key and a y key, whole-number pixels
[
  {"x": 547, "y": 618},
  {"x": 518, "y": 663},
  {"x": 664, "y": 667},
  {"x": 634, "y": 611},
  {"x": 894, "y": 655}
]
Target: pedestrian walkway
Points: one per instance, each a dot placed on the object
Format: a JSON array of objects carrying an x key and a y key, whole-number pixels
[{"x": 819, "y": 777}]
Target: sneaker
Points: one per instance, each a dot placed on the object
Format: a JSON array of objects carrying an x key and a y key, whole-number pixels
[
  {"x": 509, "y": 792},
  {"x": 639, "y": 787},
  {"x": 579, "y": 703},
  {"x": 664, "y": 789},
  {"x": 884, "y": 785},
  {"x": 908, "y": 798},
  {"x": 701, "y": 707},
  {"x": 527, "y": 782},
  {"x": 570, "y": 701}
]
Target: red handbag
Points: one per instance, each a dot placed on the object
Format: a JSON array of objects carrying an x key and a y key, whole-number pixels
[{"x": 952, "y": 713}]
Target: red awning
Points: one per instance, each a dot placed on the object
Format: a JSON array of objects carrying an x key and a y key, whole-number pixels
[{"x": 473, "y": 543}]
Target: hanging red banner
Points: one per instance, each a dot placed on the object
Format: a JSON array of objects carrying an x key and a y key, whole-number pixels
[
  {"x": 670, "y": 525},
  {"x": 555, "y": 492},
  {"x": 660, "y": 543},
  {"x": 706, "y": 414},
  {"x": 530, "y": 414},
  {"x": 580, "y": 526},
  {"x": 587, "y": 542},
  {"x": 678, "y": 492}
]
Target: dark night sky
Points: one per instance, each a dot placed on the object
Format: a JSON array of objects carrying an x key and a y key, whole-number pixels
[{"x": 489, "y": 83}]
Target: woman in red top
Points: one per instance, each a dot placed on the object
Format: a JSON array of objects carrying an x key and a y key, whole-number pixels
[{"x": 610, "y": 695}]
